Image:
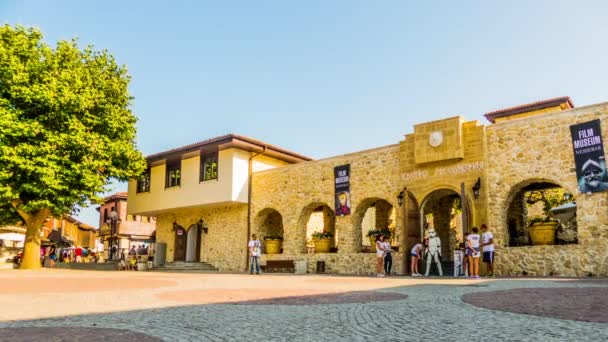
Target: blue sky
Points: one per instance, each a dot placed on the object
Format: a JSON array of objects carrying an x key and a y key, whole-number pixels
[{"x": 324, "y": 78}]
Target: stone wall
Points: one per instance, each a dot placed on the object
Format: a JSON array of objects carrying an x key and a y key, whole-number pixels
[
  {"x": 296, "y": 190},
  {"x": 562, "y": 260},
  {"x": 339, "y": 263},
  {"x": 539, "y": 149},
  {"x": 225, "y": 244}
]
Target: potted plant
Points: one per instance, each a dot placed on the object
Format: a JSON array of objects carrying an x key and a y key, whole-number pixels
[
  {"x": 372, "y": 237},
  {"x": 272, "y": 244},
  {"x": 322, "y": 241},
  {"x": 542, "y": 228}
]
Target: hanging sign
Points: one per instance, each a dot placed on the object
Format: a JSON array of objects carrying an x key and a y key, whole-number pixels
[
  {"x": 589, "y": 157},
  {"x": 342, "y": 189}
]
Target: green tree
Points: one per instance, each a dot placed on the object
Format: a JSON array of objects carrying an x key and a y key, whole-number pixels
[{"x": 66, "y": 130}]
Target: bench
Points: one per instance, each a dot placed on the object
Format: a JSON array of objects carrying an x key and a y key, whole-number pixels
[{"x": 276, "y": 266}]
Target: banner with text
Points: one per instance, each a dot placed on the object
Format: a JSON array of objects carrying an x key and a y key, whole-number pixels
[
  {"x": 342, "y": 187},
  {"x": 589, "y": 157}
]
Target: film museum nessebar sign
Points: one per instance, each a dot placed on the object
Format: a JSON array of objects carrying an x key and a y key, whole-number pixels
[
  {"x": 589, "y": 157},
  {"x": 342, "y": 189}
]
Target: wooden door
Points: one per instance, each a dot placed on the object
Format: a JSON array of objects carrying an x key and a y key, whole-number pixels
[{"x": 181, "y": 239}]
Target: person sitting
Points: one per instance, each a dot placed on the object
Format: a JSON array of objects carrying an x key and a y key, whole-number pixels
[{"x": 133, "y": 264}]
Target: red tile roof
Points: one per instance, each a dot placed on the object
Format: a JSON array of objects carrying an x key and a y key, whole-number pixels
[
  {"x": 492, "y": 116},
  {"x": 225, "y": 139}
]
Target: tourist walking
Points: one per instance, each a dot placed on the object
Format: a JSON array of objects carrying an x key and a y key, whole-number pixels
[
  {"x": 379, "y": 254},
  {"x": 388, "y": 259},
  {"x": 487, "y": 242},
  {"x": 53, "y": 256},
  {"x": 415, "y": 254},
  {"x": 473, "y": 253},
  {"x": 78, "y": 254},
  {"x": 254, "y": 251}
]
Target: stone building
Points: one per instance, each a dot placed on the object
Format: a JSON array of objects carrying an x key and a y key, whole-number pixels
[
  {"x": 131, "y": 230},
  {"x": 452, "y": 173}
]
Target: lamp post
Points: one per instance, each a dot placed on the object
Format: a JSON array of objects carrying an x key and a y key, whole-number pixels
[{"x": 113, "y": 221}]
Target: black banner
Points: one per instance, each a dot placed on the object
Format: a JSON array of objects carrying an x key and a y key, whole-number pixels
[
  {"x": 342, "y": 186},
  {"x": 589, "y": 157}
]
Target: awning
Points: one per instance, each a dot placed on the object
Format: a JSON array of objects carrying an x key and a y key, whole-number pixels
[{"x": 56, "y": 237}]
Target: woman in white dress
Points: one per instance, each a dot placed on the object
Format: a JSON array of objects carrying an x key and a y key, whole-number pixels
[{"x": 379, "y": 254}]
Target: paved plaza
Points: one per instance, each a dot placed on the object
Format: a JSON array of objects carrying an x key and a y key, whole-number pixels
[{"x": 148, "y": 306}]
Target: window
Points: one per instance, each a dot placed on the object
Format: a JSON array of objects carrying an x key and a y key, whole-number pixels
[
  {"x": 209, "y": 167},
  {"x": 143, "y": 183},
  {"x": 174, "y": 174}
]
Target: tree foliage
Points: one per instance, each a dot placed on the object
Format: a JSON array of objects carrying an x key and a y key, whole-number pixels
[{"x": 66, "y": 127}]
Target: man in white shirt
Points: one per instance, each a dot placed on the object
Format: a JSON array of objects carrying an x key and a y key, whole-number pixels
[
  {"x": 254, "y": 252},
  {"x": 487, "y": 241}
]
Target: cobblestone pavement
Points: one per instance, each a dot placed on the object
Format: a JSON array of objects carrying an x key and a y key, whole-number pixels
[{"x": 433, "y": 308}]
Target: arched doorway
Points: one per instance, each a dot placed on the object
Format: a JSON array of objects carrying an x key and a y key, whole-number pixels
[
  {"x": 317, "y": 217},
  {"x": 537, "y": 200},
  {"x": 442, "y": 209},
  {"x": 193, "y": 243},
  {"x": 373, "y": 214},
  {"x": 269, "y": 224}
]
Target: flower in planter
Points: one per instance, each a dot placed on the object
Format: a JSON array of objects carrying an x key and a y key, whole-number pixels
[
  {"x": 322, "y": 235},
  {"x": 376, "y": 232},
  {"x": 273, "y": 237}
]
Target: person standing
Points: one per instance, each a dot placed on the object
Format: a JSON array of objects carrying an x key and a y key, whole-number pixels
[
  {"x": 254, "y": 251},
  {"x": 388, "y": 259},
  {"x": 473, "y": 253},
  {"x": 487, "y": 242},
  {"x": 53, "y": 256},
  {"x": 379, "y": 254},
  {"x": 78, "y": 254},
  {"x": 415, "y": 254}
]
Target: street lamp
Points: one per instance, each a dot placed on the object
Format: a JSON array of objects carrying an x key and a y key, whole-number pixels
[
  {"x": 476, "y": 188},
  {"x": 113, "y": 221}
]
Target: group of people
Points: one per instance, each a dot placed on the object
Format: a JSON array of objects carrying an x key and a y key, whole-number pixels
[
  {"x": 473, "y": 244},
  {"x": 473, "y": 248},
  {"x": 49, "y": 256},
  {"x": 384, "y": 258},
  {"x": 130, "y": 260}
]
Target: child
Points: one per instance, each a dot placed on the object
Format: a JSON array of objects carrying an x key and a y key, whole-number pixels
[
  {"x": 415, "y": 254},
  {"x": 473, "y": 253}
]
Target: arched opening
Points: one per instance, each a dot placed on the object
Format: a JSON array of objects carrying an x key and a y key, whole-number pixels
[
  {"x": 269, "y": 225},
  {"x": 535, "y": 203},
  {"x": 193, "y": 243},
  {"x": 442, "y": 209},
  {"x": 317, "y": 217},
  {"x": 372, "y": 215}
]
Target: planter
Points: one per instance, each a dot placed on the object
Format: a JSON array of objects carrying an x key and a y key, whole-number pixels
[
  {"x": 543, "y": 233},
  {"x": 272, "y": 246},
  {"x": 322, "y": 245},
  {"x": 372, "y": 244}
]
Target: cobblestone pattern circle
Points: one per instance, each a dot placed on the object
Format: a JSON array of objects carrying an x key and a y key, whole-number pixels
[{"x": 586, "y": 304}]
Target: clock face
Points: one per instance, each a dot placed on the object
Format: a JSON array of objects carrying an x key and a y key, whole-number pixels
[{"x": 436, "y": 138}]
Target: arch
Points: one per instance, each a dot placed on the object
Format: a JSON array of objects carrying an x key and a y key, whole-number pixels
[
  {"x": 521, "y": 206},
  {"x": 442, "y": 208},
  {"x": 373, "y": 213},
  {"x": 316, "y": 216},
  {"x": 269, "y": 223}
]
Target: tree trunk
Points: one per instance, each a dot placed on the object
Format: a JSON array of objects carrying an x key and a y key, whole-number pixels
[{"x": 31, "y": 250}]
